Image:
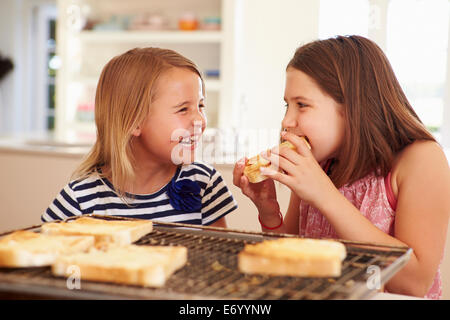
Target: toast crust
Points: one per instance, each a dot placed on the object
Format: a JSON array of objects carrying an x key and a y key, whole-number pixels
[
  {"x": 115, "y": 231},
  {"x": 30, "y": 249},
  {"x": 148, "y": 266},
  {"x": 293, "y": 257}
]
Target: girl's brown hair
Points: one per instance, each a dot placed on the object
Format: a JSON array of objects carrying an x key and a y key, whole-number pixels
[
  {"x": 124, "y": 95},
  {"x": 379, "y": 120}
]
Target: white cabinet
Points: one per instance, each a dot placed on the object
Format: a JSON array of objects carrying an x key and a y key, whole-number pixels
[{"x": 85, "y": 49}]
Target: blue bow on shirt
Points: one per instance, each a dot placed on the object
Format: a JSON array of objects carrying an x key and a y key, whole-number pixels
[{"x": 184, "y": 195}]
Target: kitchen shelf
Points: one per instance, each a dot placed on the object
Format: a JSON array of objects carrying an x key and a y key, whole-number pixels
[
  {"x": 84, "y": 52},
  {"x": 151, "y": 36}
]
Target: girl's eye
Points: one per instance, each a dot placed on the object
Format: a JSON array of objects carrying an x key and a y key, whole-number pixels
[
  {"x": 183, "y": 109},
  {"x": 201, "y": 106},
  {"x": 301, "y": 105}
]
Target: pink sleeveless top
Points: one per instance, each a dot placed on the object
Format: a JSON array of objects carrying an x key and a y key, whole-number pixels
[{"x": 374, "y": 198}]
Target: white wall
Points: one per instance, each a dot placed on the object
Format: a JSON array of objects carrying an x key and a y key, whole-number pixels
[
  {"x": 269, "y": 34},
  {"x": 446, "y": 115}
]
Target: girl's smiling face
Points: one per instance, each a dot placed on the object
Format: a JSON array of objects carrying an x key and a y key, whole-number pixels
[
  {"x": 314, "y": 114},
  {"x": 176, "y": 121}
]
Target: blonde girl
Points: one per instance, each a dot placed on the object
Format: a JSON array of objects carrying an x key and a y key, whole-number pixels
[{"x": 149, "y": 114}]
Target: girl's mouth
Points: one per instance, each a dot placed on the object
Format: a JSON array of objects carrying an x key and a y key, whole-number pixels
[
  {"x": 307, "y": 140},
  {"x": 189, "y": 141}
]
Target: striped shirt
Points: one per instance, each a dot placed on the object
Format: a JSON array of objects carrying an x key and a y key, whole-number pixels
[{"x": 95, "y": 195}]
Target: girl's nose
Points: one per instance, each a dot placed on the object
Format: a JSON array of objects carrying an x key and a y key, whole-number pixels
[
  {"x": 199, "y": 120},
  {"x": 289, "y": 120}
]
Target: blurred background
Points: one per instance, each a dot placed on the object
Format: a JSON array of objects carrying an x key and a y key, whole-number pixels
[
  {"x": 58, "y": 49},
  {"x": 52, "y": 53}
]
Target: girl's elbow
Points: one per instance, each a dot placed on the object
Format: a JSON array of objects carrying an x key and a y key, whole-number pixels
[
  {"x": 419, "y": 289},
  {"x": 415, "y": 287}
]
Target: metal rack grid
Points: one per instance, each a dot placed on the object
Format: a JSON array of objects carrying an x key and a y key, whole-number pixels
[{"x": 211, "y": 271}]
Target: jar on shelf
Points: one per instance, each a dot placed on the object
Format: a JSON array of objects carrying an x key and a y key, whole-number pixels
[
  {"x": 146, "y": 21},
  {"x": 188, "y": 22},
  {"x": 212, "y": 73},
  {"x": 211, "y": 23}
]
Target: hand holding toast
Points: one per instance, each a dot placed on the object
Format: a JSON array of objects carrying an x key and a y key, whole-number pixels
[
  {"x": 300, "y": 170},
  {"x": 262, "y": 194}
]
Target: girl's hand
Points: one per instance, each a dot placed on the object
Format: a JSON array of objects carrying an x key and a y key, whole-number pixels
[
  {"x": 302, "y": 173},
  {"x": 263, "y": 194}
]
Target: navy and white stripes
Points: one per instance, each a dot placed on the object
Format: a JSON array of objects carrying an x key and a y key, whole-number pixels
[{"x": 95, "y": 195}]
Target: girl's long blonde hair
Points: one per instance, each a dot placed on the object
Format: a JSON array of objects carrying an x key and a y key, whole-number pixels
[
  {"x": 124, "y": 95},
  {"x": 379, "y": 120}
]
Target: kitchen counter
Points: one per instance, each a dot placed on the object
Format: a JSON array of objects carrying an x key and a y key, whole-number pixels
[
  {"x": 44, "y": 144},
  {"x": 35, "y": 167},
  {"x": 47, "y": 144}
]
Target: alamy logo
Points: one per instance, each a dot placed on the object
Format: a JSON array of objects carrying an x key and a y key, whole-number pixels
[
  {"x": 222, "y": 146},
  {"x": 180, "y": 154},
  {"x": 74, "y": 279},
  {"x": 374, "y": 280}
]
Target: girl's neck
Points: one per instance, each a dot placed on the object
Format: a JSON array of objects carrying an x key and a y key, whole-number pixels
[
  {"x": 148, "y": 179},
  {"x": 152, "y": 177}
]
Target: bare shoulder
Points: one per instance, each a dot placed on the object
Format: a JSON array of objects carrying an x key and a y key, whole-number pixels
[{"x": 421, "y": 158}]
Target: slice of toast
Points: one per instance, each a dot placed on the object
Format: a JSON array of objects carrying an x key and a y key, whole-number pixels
[
  {"x": 30, "y": 249},
  {"x": 253, "y": 165},
  {"x": 251, "y": 169},
  {"x": 293, "y": 257},
  {"x": 116, "y": 231},
  {"x": 148, "y": 266}
]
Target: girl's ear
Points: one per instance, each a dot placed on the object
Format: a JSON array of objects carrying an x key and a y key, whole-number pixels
[{"x": 136, "y": 132}]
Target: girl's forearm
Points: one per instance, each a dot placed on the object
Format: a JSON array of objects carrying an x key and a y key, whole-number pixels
[
  {"x": 350, "y": 224},
  {"x": 274, "y": 219}
]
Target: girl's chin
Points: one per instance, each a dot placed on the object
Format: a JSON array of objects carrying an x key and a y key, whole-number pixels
[
  {"x": 189, "y": 147},
  {"x": 184, "y": 154}
]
